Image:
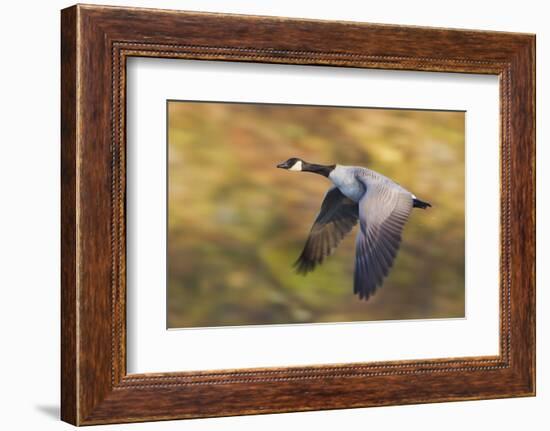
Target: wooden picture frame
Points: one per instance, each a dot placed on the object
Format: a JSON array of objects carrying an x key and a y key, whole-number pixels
[{"x": 95, "y": 43}]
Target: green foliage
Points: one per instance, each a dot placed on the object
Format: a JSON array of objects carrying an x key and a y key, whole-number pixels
[{"x": 236, "y": 223}]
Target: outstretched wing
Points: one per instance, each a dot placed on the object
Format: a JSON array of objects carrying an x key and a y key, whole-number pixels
[
  {"x": 383, "y": 211},
  {"x": 336, "y": 218}
]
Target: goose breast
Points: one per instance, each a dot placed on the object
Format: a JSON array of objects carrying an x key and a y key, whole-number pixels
[{"x": 345, "y": 178}]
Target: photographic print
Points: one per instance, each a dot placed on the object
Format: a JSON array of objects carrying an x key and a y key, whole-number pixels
[{"x": 288, "y": 214}]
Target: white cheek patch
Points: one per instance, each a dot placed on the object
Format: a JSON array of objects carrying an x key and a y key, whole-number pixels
[{"x": 297, "y": 166}]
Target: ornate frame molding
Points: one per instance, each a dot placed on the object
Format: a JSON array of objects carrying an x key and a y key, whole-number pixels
[{"x": 96, "y": 41}]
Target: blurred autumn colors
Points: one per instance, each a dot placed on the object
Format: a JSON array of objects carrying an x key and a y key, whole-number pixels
[{"x": 236, "y": 224}]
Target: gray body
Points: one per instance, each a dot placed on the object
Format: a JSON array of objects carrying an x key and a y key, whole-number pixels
[
  {"x": 352, "y": 181},
  {"x": 382, "y": 208}
]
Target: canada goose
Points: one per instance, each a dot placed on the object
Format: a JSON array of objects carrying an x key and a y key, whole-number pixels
[{"x": 382, "y": 208}]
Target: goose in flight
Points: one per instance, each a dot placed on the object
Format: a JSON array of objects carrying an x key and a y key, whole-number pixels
[{"x": 382, "y": 208}]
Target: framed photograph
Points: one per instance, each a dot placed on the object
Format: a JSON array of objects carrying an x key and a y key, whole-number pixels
[{"x": 264, "y": 214}]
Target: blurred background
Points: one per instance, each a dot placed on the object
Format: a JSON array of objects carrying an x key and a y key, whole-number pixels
[{"x": 236, "y": 223}]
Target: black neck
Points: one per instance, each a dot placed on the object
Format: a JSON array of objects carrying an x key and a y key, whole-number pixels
[{"x": 324, "y": 170}]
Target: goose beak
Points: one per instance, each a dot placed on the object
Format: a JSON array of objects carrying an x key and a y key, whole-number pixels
[{"x": 282, "y": 165}]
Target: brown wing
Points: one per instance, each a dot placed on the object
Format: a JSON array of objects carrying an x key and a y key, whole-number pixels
[
  {"x": 383, "y": 212},
  {"x": 336, "y": 218}
]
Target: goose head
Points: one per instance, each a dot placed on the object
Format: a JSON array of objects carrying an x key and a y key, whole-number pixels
[
  {"x": 299, "y": 165},
  {"x": 292, "y": 164}
]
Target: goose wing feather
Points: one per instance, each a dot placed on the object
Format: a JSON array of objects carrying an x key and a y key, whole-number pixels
[
  {"x": 337, "y": 217},
  {"x": 383, "y": 212}
]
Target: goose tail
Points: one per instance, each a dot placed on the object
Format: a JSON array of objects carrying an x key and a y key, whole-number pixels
[{"x": 417, "y": 203}]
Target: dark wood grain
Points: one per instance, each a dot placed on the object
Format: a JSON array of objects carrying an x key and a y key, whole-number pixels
[
  {"x": 96, "y": 41},
  {"x": 69, "y": 365}
]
